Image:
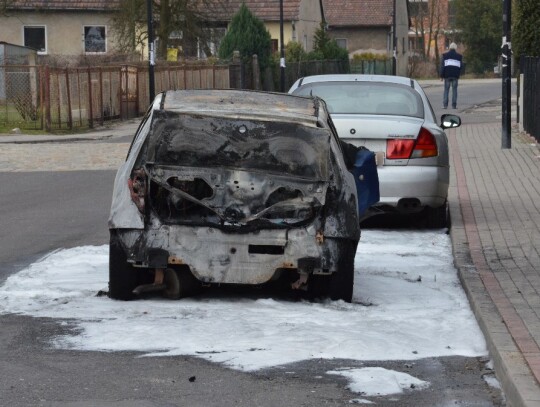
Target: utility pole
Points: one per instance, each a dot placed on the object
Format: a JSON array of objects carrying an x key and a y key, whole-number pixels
[
  {"x": 394, "y": 40},
  {"x": 507, "y": 75},
  {"x": 282, "y": 48},
  {"x": 151, "y": 52}
]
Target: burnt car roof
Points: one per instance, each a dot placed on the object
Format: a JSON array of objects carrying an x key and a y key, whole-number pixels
[{"x": 244, "y": 104}]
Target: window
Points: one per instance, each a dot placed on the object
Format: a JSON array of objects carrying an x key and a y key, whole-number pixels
[
  {"x": 341, "y": 42},
  {"x": 275, "y": 46},
  {"x": 34, "y": 37},
  {"x": 95, "y": 39},
  {"x": 366, "y": 97}
]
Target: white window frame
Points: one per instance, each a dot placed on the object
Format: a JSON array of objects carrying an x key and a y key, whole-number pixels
[
  {"x": 44, "y": 33},
  {"x": 84, "y": 39}
]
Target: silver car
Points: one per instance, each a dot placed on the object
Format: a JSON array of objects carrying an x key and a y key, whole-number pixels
[
  {"x": 233, "y": 187},
  {"x": 392, "y": 117}
]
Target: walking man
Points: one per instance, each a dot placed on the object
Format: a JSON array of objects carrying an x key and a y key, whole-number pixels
[{"x": 450, "y": 70}]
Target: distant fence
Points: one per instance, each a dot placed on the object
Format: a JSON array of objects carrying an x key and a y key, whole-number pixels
[
  {"x": 43, "y": 97},
  {"x": 531, "y": 96},
  {"x": 40, "y": 97},
  {"x": 295, "y": 70},
  {"x": 372, "y": 67}
]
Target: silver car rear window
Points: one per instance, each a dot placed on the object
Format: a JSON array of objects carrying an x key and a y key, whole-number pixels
[{"x": 366, "y": 98}]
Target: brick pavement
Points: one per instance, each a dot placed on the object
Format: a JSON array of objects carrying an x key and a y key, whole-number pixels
[
  {"x": 495, "y": 209},
  {"x": 57, "y": 156}
]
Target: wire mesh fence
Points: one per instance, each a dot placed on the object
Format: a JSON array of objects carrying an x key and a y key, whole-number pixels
[{"x": 19, "y": 96}]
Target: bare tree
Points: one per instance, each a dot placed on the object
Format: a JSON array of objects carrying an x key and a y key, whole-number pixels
[
  {"x": 185, "y": 23},
  {"x": 430, "y": 19}
]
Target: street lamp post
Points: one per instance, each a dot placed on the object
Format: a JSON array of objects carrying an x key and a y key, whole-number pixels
[
  {"x": 282, "y": 48},
  {"x": 151, "y": 51},
  {"x": 507, "y": 75}
]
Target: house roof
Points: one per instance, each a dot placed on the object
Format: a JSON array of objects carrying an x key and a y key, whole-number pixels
[
  {"x": 353, "y": 13},
  {"x": 67, "y": 5},
  {"x": 266, "y": 10}
]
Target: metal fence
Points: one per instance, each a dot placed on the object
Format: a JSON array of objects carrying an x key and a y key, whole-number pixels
[
  {"x": 531, "y": 95},
  {"x": 371, "y": 67},
  {"x": 295, "y": 70},
  {"x": 20, "y": 95},
  {"x": 40, "y": 97}
]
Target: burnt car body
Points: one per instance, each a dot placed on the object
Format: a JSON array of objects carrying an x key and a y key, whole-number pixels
[{"x": 233, "y": 187}]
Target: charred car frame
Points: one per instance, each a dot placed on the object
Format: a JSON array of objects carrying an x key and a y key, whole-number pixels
[{"x": 233, "y": 187}]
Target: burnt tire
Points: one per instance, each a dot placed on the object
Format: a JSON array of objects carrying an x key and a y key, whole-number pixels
[
  {"x": 180, "y": 283},
  {"x": 123, "y": 277},
  {"x": 341, "y": 283},
  {"x": 318, "y": 286},
  {"x": 437, "y": 218}
]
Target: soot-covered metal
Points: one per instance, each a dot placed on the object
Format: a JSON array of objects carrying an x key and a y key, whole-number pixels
[{"x": 234, "y": 197}]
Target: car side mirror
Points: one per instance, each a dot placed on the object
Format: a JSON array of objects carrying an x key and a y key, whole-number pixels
[{"x": 449, "y": 121}]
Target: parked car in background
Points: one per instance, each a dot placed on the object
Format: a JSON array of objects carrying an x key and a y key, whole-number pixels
[
  {"x": 392, "y": 117},
  {"x": 233, "y": 187}
]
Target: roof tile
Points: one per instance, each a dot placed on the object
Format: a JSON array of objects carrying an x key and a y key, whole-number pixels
[
  {"x": 266, "y": 10},
  {"x": 65, "y": 4},
  {"x": 350, "y": 13}
]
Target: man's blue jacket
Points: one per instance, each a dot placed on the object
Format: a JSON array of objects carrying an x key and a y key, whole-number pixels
[{"x": 451, "y": 64}]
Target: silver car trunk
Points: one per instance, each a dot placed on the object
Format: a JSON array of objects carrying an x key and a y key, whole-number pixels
[{"x": 372, "y": 131}]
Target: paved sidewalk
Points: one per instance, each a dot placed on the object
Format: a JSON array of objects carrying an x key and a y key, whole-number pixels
[
  {"x": 114, "y": 131},
  {"x": 73, "y": 152},
  {"x": 495, "y": 210}
]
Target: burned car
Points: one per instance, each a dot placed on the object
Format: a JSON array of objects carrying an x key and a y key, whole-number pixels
[{"x": 233, "y": 187}]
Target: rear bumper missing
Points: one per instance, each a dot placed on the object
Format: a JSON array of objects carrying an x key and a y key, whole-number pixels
[{"x": 214, "y": 256}]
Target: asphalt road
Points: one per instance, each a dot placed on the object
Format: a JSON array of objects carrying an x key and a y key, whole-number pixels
[
  {"x": 479, "y": 101},
  {"x": 43, "y": 211}
]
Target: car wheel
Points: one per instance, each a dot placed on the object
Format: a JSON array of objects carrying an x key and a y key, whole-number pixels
[
  {"x": 180, "y": 283},
  {"x": 437, "y": 218},
  {"x": 341, "y": 283},
  {"x": 318, "y": 286},
  {"x": 123, "y": 277}
]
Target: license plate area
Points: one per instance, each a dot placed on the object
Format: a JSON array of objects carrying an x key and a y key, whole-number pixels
[{"x": 379, "y": 158}]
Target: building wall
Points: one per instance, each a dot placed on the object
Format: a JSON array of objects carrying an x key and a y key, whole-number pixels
[
  {"x": 301, "y": 31},
  {"x": 64, "y": 31},
  {"x": 309, "y": 21},
  {"x": 273, "y": 29},
  {"x": 361, "y": 40},
  {"x": 402, "y": 38}
]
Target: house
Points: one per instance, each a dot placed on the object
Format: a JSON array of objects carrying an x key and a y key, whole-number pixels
[
  {"x": 59, "y": 27},
  {"x": 301, "y": 18},
  {"x": 367, "y": 27},
  {"x": 82, "y": 27},
  {"x": 73, "y": 27}
]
